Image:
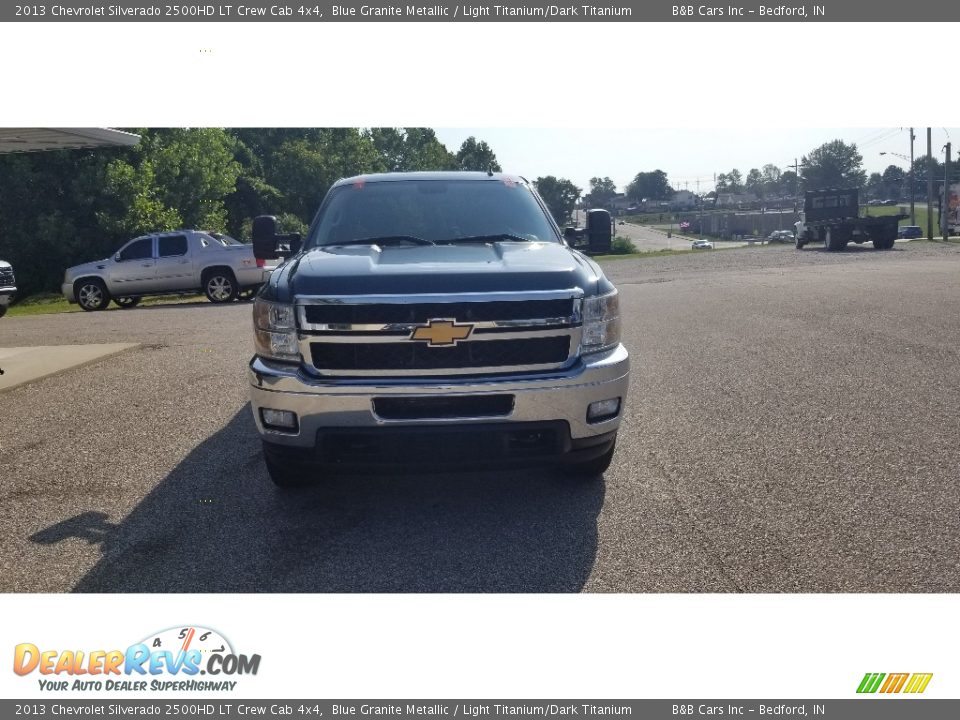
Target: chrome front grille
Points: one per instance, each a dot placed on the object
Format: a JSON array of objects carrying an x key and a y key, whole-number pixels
[
  {"x": 499, "y": 333},
  {"x": 6, "y": 278}
]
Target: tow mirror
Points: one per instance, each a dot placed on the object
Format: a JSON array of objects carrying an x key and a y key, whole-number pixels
[
  {"x": 269, "y": 244},
  {"x": 574, "y": 236},
  {"x": 599, "y": 232}
]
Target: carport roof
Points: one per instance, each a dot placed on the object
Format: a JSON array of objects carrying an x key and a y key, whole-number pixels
[{"x": 33, "y": 139}]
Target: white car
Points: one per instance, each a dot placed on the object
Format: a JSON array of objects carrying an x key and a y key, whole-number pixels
[
  {"x": 8, "y": 286},
  {"x": 702, "y": 245},
  {"x": 163, "y": 263}
]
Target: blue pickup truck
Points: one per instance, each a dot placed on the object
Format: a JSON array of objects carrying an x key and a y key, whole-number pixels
[{"x": 435, "y": 319}]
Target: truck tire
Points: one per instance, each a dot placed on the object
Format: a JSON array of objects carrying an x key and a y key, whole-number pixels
[
  {"x": 284, "y": 473},
  {"x": 126, "y": 302},
  {"x": 589, "y": 469},
  {"x": 3, "y": 310},
  {"x": 91, "y": 294},
  {"x": 799, "y": 243},
  {"x": 885, "y": 243},
  {"x": 832, "y": 241},
  {"x": 220, "y": 285}
]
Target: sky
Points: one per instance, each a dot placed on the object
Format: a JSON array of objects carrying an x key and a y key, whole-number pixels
[{"x": 685, "y": 155}]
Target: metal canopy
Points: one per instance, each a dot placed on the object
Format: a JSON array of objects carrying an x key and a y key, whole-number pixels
[{"x": 33, "y": 139}]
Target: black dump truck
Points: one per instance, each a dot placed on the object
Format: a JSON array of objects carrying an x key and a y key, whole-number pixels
[{"x": 833, "y": 218}]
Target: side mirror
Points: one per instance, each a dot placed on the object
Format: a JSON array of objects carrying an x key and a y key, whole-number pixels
[
  {"x": 574, "y": 236},
  {"x": 599, "y": 231},
  {"x": 116, "y": 258},
  {"x": 268, "y": 244},
  {"x": 265, "y": 237}
]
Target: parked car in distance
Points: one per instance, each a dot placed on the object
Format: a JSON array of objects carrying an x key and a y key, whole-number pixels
[
  {"x": 165, "y": 263},
  {"x": 701, "y": 245},
  {"x": 8, "y": 286},
  {"x": 910, "y": 231},
  {"x": 781, "y": 236}
]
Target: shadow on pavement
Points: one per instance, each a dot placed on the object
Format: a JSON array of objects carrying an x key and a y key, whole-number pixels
[
  {"x": 217, "y": 524},
  {"x": 90, "y": 526}
]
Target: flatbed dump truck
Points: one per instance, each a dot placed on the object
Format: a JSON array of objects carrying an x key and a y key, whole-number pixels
[{"x": 833, "y": 218}]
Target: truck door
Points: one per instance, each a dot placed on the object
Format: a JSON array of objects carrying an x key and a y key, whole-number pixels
[
  {"x": 174, "y": 263},
  {"x": 133, "y": 271}
]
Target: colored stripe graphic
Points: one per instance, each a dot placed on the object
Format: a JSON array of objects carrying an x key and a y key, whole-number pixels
[
  {"x": 894, "y": 683},
  {"x": 918, "y": 683},
  {"x": 870, "y": 682}
]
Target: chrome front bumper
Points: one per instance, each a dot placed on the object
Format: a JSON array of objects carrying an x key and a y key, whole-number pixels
[{"x": 324, "y": 403}]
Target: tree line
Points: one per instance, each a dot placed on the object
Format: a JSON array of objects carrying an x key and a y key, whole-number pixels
[{"x": 61, "y": 208}]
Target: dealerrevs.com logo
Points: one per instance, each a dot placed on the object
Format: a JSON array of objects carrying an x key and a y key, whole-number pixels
[{"x": 172, "y": 659}]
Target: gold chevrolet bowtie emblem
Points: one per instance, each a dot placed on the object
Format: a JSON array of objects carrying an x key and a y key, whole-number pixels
[{"x": 442, "y": 332}]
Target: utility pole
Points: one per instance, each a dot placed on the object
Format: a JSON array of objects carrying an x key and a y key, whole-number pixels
[
  {"x": 700, "y": 204},
  {"x": 929, "y": 184},
  {"x": 945, "y": 202},
  {"x": 913, "y": 189}
]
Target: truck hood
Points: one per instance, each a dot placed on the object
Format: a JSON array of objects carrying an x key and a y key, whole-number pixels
[
  {"x": 5, "y": 265},
  {"x": 90, "y": 267},
  {"x": 490, "y": 267}
]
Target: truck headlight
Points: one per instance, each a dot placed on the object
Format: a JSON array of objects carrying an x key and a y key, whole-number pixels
[
  {"x": 275, "y": 330},
  {"x": 601, "y": 323}
]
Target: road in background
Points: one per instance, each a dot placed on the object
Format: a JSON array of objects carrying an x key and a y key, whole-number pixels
[{"x": 792, "y": 426}]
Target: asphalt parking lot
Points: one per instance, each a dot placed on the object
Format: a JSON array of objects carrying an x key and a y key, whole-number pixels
[{"x": 793, "y": 426}]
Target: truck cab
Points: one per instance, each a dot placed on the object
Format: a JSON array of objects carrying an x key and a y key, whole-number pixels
[{"x": 434, "y": 319}]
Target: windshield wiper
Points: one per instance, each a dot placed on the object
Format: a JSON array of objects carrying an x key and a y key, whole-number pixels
[
  {"x": 497, "y": 237},
  {"x": 385, "y": 240}
]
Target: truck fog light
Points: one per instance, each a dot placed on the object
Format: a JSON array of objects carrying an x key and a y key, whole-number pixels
[
  {"x": 279, "y": 419},
  {"x": 603, "y": 410}
]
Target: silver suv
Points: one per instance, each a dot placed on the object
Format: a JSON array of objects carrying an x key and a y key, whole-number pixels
[{"x": 170, "y": 262}]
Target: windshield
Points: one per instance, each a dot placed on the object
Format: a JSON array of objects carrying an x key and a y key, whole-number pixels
[{"x": 431, "y": 210}]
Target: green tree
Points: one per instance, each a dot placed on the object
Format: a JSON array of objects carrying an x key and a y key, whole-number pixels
[
  {"x": 474, "y": 155},
  {"x": 560, "y": 196},
  {"x": 650, "y": 186},
  {"x": 771, "y": 178},
  {"x": 602, "y": 192},
  {"x": 875, "y": 186},
  {"x": 834, "y": 164},
  {"x": 134, "y": 201},
  {"x": 754, "y": 182},
  {"x": 788, "y": 183},
  {"x": 409, "y": 149},
  {"x": 731, "y": 182}
]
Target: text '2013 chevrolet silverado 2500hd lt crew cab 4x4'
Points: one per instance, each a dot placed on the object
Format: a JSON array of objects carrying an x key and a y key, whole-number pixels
[
  {"x": 434, "y": 318},
  {"x": 163, "y": 263}
]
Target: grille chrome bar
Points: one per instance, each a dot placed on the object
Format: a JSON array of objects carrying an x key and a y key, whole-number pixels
[{"x": 501, "y": 332}]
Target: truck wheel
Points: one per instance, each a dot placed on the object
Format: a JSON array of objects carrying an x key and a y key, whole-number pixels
[
  {"x": 126, "y": 302},
  {"x": 92, "y": 295},
  {"x": 798, "y": 243},
  {"x": 220, "y": 286},
  {"x": 885, "y": 244},
  {"x": 3, "y": 310},
  {"x": 283, "y": 472},
  {"x": 591, "y": 468}
]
